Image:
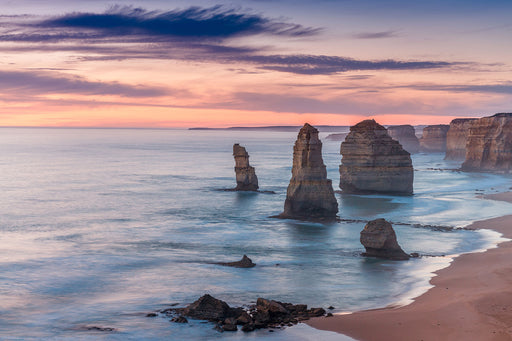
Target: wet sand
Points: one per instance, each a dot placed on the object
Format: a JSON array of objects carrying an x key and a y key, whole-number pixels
[{"x": 471, "y": 300}]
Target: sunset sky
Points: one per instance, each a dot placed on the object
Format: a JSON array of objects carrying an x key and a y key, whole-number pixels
[{"x": 156, "y": 63}]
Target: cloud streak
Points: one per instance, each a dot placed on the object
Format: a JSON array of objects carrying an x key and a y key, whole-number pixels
[
  {"x": 214, "y": 23},
  {"x": 45, "y": 83}
]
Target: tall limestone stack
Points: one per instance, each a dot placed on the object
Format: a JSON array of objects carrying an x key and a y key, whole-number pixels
[
  {"x": 434, "y": 138},
  {"x": 489, "y": 144},
  {"x": 246, "y": 179},
  {"x": 372, "y": 162},
  {"x": 310, "y": 195},
  {"x": 456, "y": 138},
  {"x": 406, "y": 135}
]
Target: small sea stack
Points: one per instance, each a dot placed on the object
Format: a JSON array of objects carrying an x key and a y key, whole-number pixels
[
  {"x": 489, "y": 145},
  {"x": 434, "y": 138},
  {"x": 406, "y": 136},
  {"x": 246, "y": 179},
  {"x": 379, "y": 240},
  {"x": 457, "y": 137},
  {"x": 310, "y": 195},
  {"x": 372, "y": 162}
]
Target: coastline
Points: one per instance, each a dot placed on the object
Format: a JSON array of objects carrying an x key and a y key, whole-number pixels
[{"x": 471, "y": 299}]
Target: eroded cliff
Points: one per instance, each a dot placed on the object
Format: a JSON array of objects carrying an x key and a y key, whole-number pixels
[{"x": 372, "y": 162}]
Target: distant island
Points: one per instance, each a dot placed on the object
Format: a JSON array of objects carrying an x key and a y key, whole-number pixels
[{"x": 322, "y": 128}]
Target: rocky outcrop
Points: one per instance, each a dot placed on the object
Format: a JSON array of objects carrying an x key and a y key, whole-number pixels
[
  {"x": 379, "y": 240},
  {"x": 489, "y": 144},
  {"x": 372, "y": 162},
  {"x": 265, "y": 314},
  {"x": 336, "y": 137},
  {"x": 245, "y": 262},
  {"x": 310, "y": 195},
  {"x": 406, "y": 136},
  {"x": 456, "y": 138},
  {"x": 434, "y": 138},
  {"x": 246, "y": 179}
]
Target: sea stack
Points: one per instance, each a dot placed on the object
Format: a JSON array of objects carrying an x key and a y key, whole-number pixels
[
  {"x": 406, "y": 136},
  {"x": 246, "y": 179},
  {"x": 434, "y": 138},
  {"x": 310, "y": 195},
  {"x": 456, "y": 138},
  {"x": 489, "y": 144},
  {"x": 372, "y": 162},
  {"x": 379, "y": 240}
]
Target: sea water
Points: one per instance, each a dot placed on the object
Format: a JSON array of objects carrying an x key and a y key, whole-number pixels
[{"x": 99, "y": 227}]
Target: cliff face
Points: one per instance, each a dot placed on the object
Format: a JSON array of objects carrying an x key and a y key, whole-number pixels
[
  {"x": 373, "y": 162},
  {"x": 434, "y": 138},
  {"x": 310, "y": 195},
  {"x": 246, "y": 179},
  {"x": 456, "y": 138},
  {"x": 379, "y": 240},
  {"x": 489, "y": 144},
  {"x": 406, "y": 136}
]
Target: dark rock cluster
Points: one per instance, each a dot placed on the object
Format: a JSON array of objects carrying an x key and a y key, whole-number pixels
[{"x": 264, "y": 314}]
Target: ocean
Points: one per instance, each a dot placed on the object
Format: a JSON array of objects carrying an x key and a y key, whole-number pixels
[{"x": 99, "y": 227}]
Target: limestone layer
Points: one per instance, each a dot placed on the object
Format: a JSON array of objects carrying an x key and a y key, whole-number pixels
[
  {"x": 310, "y": 194},
  {"x": 489, "y": 144},
  {"x": 372, "y": 162},
  {"x": 456, "y": 138},
  {"x": 246, "y": 179},
  {"x": 434, "y": 138},
  {"x": 406, "y": 136}
]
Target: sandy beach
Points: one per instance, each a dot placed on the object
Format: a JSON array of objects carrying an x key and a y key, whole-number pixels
[{"x": 471, "y": 300}]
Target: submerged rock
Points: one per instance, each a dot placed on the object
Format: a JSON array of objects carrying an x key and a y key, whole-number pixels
[
  {"x": 489, "y": 144},
  {"x": 457, "y": 137},
  {"x": 434, "y": 138},
  {"x": 406, "y": 136},
  {"x": 372, "y": 162},
  {"x": 310, "y": 195},
  {"x": 245, "y": 262},
  {"x": 379, "y": 240},
  {"x": 246, "y": 179}
]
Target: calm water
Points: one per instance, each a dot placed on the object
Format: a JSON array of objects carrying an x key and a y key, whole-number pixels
[{"x": 101, "y": 226}]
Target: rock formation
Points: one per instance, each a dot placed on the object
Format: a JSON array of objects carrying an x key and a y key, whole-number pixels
[
  {"x": 373, "y": 162},
  {"x": 336, "y": 137},
  {"x": 456, "y": 138},
  {"x": 245, "y": 262},
  {"x": 310, "y": 195},
  {"x": 489, "y": 144},
  {"x": 265, "y": 314},
  {"x": 434, "y": 138},
  {"x": 379, "y": 240},
  {"x": 246, "y": 179},
  {"x": 406, "y": 136}
]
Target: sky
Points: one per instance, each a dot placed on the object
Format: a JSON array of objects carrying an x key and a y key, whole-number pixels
[{"x": 156, "y": 63}]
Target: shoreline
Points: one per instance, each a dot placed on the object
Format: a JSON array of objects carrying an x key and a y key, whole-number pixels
[{"x": 471, "y": 299}]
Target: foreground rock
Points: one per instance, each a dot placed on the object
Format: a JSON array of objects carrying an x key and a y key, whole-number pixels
[
  {"x": 379, "y": 240},
  {"x": 406, "y": 136},
  {"x": 434, "y": 138},
  {"x": 265, "y": 314},
  {"x": 372, "y": 162},
  {"x": 245, "y": 262},
  {"x": 489, "y": 144},
  {"x": 456, "y": 138},
  {"x": 246, "y": 179},
  {"x": 310, "y": 195}
]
